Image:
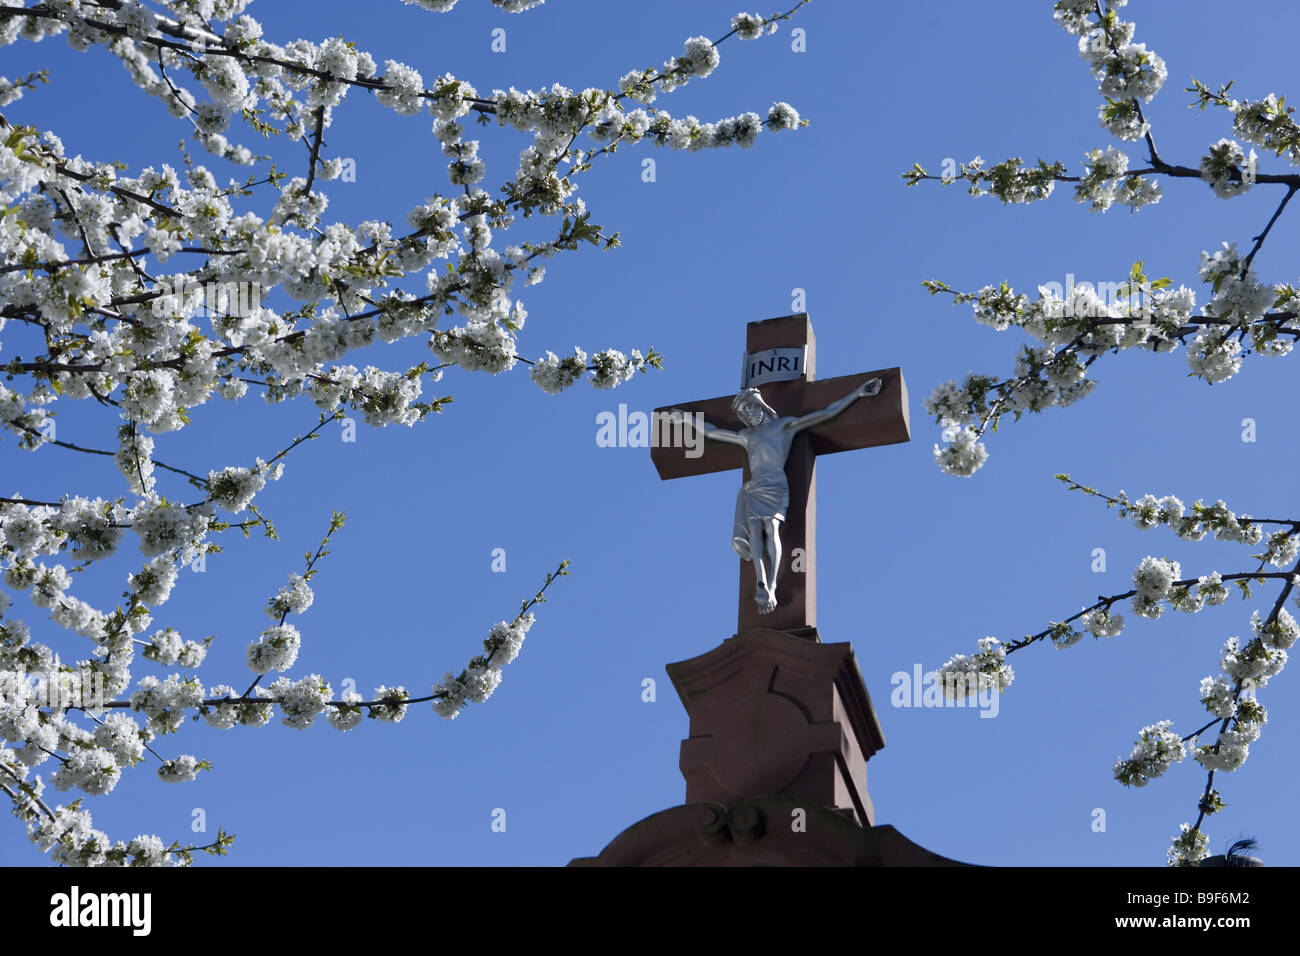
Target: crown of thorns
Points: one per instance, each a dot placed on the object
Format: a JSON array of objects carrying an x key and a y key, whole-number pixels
[{"x": 751, "y": 396}]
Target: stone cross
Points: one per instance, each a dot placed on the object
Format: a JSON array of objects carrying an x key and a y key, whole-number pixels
[{"x": 781, "y": 360}]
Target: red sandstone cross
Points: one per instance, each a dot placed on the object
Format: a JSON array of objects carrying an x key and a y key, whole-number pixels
[{"x": 785, "y": 349}]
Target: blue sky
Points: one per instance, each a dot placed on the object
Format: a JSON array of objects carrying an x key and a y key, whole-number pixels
[{"x": 914, "y": 565}]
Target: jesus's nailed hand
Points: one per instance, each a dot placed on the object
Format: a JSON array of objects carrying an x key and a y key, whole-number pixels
[{"x": 871, "y": 387}]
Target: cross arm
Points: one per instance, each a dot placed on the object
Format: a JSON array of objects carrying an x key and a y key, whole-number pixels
[
  {"x": 881, "y": 419},
  {"x": 673, "y": 460}
]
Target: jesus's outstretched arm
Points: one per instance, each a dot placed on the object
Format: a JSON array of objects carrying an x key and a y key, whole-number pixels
[
  {"x": 695, "y": 419},
  {"x": 869, "y": 387}
]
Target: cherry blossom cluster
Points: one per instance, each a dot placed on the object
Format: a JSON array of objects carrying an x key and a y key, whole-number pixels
[
  {"x": 963, "y": 675},
  {"x": 1228, "y": 697},
  {"x": 1010, "y": 181},
  {"x": 34, "y": 735},
  {"x": 1228, "y": 170},
  {"x": 1128, "y": 72},
  {"x": 751, "y": 26},
  {"x": 241, "y": 72},
  {"x": 964, "y": 454},
  {"x": 509, "y": 6},
  {"x": 152, "y": 292},
  {"x": 1104, "y": 183},
  {"x": 1241, "y": 314},
  {"x": 168, "y": 648},
  {"x": 1156, "y": 750},
  {"x": 1189, "y": 848},
  {"x": 1245, "y": 668},
  {"x": 477, "y": 682},
  {"x": 1159, "y": 580},
  {"x": 1267, "y": 122},
  {"x": 554, "y": 374},
  {"x": 1077, "y": 325},
  {"x": 1218, "y": 519},
  {"x": 69, "y": 836}
]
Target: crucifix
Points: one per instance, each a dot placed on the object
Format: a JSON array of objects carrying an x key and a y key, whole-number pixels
[{"x": 782, "y": 420}]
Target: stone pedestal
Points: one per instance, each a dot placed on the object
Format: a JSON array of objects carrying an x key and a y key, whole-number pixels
[
  {"x": 781, "y": 728},
  {"x": 780, "y": 715}
]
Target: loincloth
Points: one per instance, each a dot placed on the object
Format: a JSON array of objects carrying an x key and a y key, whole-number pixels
[{"x": 757, "y": 498}]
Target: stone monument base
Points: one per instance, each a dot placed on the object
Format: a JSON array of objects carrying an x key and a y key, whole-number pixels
[
  {"x": 761, "y": 831},
  {"x": 781, "y": 728}
]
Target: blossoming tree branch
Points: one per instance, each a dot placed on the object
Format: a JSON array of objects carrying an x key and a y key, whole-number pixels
[
  {"x": 1242, "y": 315},
  {"x": 103, "y": 278}
]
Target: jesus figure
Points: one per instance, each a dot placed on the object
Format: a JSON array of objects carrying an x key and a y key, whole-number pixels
[{"x": 762, "y": 501}]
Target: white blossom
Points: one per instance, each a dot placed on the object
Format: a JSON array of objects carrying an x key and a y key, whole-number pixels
[
  {"x": 1279, "y": 632},
  {"x": 1157, "y": 748},
  {"x": 1228, "y": 170},
  {"x": 480, "y": 682},
  {"x": 147, "y": 850},
  {"x": 964, "y": 455},
  {"x": 301, "y": 701},
  {"x": 1229, "y": 751},
  {"x": 294, "y": 598},
  {"x": 1282, "y": 549},
  {"x": 505, "y": 640},
  {"x": 1101, "y": 623},
  {"x": 1211, "y": 588},
  {"x": 449, "y": 696},
  {"x": 748, "y": 26},
  {"x": 1154, "y": 578},
  {"x": 392, "y": 707},
  {"x": 93, "y": 771},
  {"x": 1189, "y": 847},
  {"x": 782, "y": 116},
  {"x": 154, "y": 582},
  {"x": 222, "y": 716},
  {"x": 279, "y": 299},
  {"x": 1218, "y": 696},
  {"x": 234, "y": 488},
  {"x": 347, "y": 717},
  {"x": 182, "y": 769},
  {"x": 275, "y": 650},
  {"x": 612, "y": 367},
  {"x": 961, "y": 676},
  {"x": 1252, "y": 662},
  {"x": 554, "y": 374}
]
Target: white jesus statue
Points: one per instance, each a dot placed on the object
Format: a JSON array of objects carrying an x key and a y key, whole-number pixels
[{"x": 762, "y": 501}]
